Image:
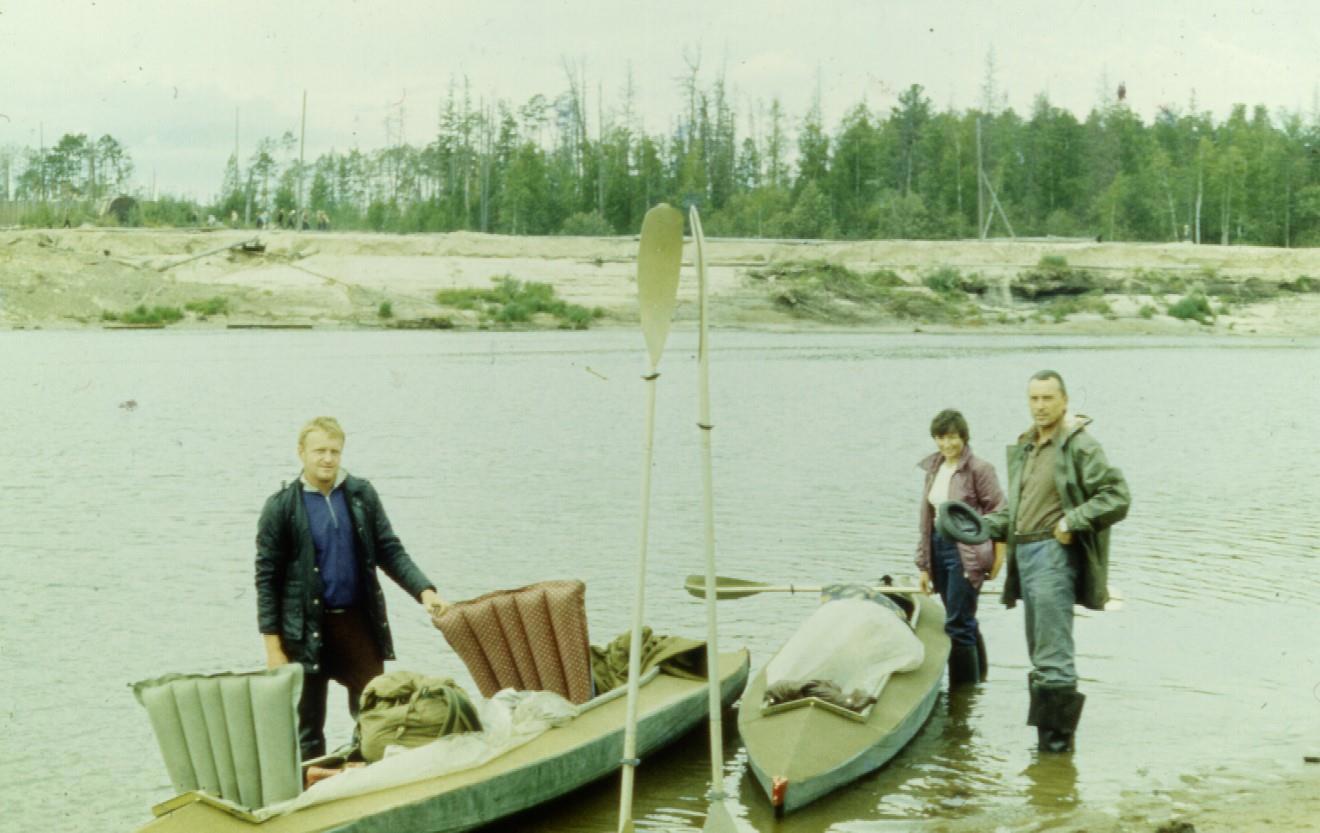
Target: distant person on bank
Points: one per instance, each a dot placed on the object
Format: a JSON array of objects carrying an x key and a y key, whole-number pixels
[
  {"x": 319, "y": 602},
  {"x": 956, "y": 570},
  {"x": 1063, "y": 495}
]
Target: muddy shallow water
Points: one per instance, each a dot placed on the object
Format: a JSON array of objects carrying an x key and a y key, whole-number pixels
[{"x": 135, "y": 464}]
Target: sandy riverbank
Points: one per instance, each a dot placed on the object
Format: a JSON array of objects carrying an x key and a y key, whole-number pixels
[{"x": 74, "y": 277}]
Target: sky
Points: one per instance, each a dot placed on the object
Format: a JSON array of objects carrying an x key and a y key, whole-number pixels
[{"x": 168, "y": 77}]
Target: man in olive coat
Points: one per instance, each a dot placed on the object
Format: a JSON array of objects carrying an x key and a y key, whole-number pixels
[
  {"x": 319, "y": 602},
  {"x": 1063, "y": 495}
]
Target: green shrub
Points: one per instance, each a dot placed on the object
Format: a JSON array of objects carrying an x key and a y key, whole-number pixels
[
  {"x": 944, "y": 280},
  {"x": 587, "y": 224},
  {"x": 920, "y": 306},
  {"x": 141, "y": 314},
  {"x": 1060, "y": 308},
  {"x": 1302, "y": 284},
  {"x": 1147, "y": 311},
  {"x": 385, "y": 310},
  {"x": 1194, "y": 307},
  {"x": 209, "y": 307},
  {"x": 1052, "y": 263},
  {"x": 511, "y": 301}
]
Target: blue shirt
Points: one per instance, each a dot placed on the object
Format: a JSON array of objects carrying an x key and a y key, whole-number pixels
[{"x": 332, "y": 534}]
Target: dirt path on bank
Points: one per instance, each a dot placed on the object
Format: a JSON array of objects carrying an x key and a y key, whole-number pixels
[{"x": 74, "y": 277}]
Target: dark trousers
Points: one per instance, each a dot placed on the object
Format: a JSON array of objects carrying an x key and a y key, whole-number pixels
[
  {"x": 959, "y": 596},
  {"x": 349, "y": 656}
]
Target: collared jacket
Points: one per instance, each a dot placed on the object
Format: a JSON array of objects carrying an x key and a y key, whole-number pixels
[
  {"x": 1094, "y": 496},
  {"x": 289, "y": 586},
  {"x": 974, "y": 483}
]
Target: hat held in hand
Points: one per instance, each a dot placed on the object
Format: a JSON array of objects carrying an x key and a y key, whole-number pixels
[{"x": 961, "y": 522}]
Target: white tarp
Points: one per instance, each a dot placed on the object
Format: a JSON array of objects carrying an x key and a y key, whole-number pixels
[
  {"x": 509, "y": 720},
  {"x": 853, "y": 643}
]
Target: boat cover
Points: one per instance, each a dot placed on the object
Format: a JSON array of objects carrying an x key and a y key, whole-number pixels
[
  {"x": 232, "y": 735},
  {"x": 852, "y": 643},
  {"x": 533, "y": 638}
]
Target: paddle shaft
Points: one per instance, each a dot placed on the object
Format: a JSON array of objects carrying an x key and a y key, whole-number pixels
[
  {"x": 639, "y": 607},
  {"x": 708, "y": 509}
]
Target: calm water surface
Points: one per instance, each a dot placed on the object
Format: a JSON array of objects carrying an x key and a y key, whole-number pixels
[{"x": 126, "y": 533}]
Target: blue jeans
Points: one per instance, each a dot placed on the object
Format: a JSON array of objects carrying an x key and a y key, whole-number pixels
[
  {"x": 1048, "y": 594},
  {"x": 959, "y": 596}
]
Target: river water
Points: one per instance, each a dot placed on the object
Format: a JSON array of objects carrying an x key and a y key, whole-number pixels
[{"x": 134, "y": 465}]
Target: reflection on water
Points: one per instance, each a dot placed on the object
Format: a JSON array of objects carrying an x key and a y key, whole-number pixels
[{"x": 506, "y": 459}]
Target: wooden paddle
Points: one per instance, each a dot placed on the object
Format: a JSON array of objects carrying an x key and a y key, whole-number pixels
[
  {"x": 739, "y": 588},
  {"x": 725, "y": 587},
  {"x": 658, "y": 259},
  {"x": 718, "y": 817}
]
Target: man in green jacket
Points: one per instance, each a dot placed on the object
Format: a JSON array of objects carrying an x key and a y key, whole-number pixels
[{"x": 1063, "y": 495}]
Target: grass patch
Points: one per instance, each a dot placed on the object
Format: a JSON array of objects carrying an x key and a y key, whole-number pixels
[
  {"x": 142, "y": 314},
  {"x": 511, "y": 302},
  {"x": 1302, "y": 284},
  {"x": 832, "y": 292},
  {"x": 944, "y": 280},
  {"x": 1052, "y": 277},
  {"x": 1062, "y": 307},
  {"x": 1193, "y": 307},
  {"x": 209, "y": 307}
]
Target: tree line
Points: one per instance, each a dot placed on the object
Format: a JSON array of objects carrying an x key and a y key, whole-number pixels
[{"x": 909, "y": 170}]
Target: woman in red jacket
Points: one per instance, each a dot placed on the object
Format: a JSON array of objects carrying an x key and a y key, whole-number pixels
[{"x": 955, "y": 569}]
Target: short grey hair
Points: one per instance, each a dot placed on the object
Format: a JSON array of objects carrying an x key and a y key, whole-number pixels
[{"x": 1043, "y": 375}]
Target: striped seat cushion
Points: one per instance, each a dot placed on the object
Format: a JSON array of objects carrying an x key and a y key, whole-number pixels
[
  {"x": 533, "y": 638},
  {"x": 231, "y": 735}
]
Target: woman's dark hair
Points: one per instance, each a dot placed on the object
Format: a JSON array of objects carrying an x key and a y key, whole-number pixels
[{"x": 949, "y": 421}]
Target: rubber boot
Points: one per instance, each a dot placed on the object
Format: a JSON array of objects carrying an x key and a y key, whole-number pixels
[
  {"x": 964, "y": 665},
  {"x": 1059, "y": 711},
  {"x": 1033, "y": 709},
  {"x": 982, "y": 658}
]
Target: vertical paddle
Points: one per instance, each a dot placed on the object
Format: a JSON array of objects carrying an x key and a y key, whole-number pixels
[
  {"x": 718, "y": 818},
  {"x": 658, "y": 259}
]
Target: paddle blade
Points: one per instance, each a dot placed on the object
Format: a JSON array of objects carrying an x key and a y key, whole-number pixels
[
  {"x": 699, "y": 246},
  {"x": 658, "y": 260},
  {"x": 725, "y": 588},
  {"x": 719, "y": 819}
]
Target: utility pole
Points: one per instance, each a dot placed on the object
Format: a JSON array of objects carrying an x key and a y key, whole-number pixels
[
  {"x": 980, "y": 189},
  {"x": 238, "y": 177},
  {"x": 302, "y": 138}
]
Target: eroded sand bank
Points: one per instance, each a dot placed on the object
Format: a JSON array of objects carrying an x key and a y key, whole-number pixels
[{"x": 74, "y": 277}]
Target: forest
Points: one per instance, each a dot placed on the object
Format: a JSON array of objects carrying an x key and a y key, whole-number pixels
[{"x": 906, "y": 171}]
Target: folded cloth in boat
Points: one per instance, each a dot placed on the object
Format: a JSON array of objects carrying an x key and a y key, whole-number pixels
[
  {"x": 786, "y": 692},
  {"x": 852, "y": 643},
  {"x": 508, "y": 720},
  {"x": 404, "y": 708},
  {"x": 677, "y": 656}
]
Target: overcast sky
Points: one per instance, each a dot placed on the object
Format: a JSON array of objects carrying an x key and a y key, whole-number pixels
[{"x": 166, "y": 76}]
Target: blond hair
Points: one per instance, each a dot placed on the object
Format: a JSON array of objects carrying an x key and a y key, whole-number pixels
[{"x": 329, "y": 425}]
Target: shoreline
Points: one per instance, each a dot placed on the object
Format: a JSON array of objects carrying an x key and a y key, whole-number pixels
[{"x": 93, "y": 278}]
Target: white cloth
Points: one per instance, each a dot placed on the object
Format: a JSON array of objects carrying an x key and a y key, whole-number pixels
[
  {"x": 508, "y": 720},
  {"x": 853, "y": 643},
  {"x": 939, "y": 488}
]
